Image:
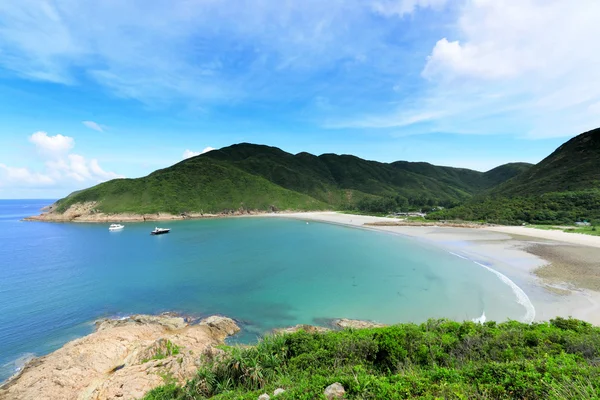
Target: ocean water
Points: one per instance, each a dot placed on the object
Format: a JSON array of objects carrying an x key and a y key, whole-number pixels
[{"x": 56, "y": 279}]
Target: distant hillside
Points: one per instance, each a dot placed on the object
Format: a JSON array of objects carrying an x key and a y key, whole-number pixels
[
  {"x": 257, "y": 177},
  {"x": 563, "y": 188},
  {"x": 573, "y": 166},
  {"x": 505, "y": 172}
]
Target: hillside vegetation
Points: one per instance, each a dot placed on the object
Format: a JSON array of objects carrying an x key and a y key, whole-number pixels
[
  {"x": 574, "y": 166},
  {"x": 255, "y": 177},
  {"x": 200, "y": 184},
  {"x": 437, "y": 359},
  {"x": 561, "y": 189}
]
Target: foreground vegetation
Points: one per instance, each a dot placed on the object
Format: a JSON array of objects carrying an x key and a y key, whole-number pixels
[{"x": 437, "y": 359}]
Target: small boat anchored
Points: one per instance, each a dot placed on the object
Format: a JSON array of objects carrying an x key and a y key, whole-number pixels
[
  {"x": 160, "y": 231},
  {"x": 115, "y": 227}
]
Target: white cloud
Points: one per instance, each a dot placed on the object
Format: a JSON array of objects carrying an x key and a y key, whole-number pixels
[
  {"x": 61, "y": 168},
  {"x": 193, "y": 50},
  {"x": 22, "y": 177},
  {"x": 189, "y": 153},
  {"x": 93, "y": 125},
  {"x": 403, "y": 7},
  {"x": 100, "y": 173},
  {"x": 57, "y": 144},
  {"x": 506, "y": 39},
  {"x": 519, "y": 67}
]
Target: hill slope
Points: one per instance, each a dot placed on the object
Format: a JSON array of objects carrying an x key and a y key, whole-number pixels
[
  {"x": 256, "y": 177},
  {"x": 505, "y": 172},
  {"x": 200, "y": 184},
  {"x": 573, "y": 166},
  {"x": 561, "y": 189}
]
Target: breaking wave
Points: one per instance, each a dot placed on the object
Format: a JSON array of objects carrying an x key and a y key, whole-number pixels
[{"x": 522, "y": 297}]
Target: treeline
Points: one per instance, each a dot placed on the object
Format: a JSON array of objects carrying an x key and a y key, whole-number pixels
[
  {"x": 400, "y": 204},
  {"x": 437, "y": 359},
  {"x": 549, "y": 208}
]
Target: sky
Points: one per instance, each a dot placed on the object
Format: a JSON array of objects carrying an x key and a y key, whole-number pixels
[{"x": 91, "y": 91}]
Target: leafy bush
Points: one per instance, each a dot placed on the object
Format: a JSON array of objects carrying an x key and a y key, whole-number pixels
[{"x": 437, "y": 359}]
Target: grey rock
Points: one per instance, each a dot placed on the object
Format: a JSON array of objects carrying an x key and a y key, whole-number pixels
[
  {"x": 334, "y": 391},
  {"x": 357, "y": 324},
  {"x": 278, "y": 391},
  {"x": 264, "y": 396}
]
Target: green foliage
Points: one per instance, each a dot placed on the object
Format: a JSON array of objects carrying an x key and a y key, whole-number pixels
[
  {"x": 196, "y": 185},
  {"x": 573, "y": 167},
  {"x": 549, "y": 208},
  {"x": 437, "y": 359},
  {"x": 171, "y": 349}
]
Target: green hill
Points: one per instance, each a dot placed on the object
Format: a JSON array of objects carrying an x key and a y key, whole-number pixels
[
  {"x": 562, "y": 189},
  {"x": 200, "y": 184},
  {"x": 574, "y": 166},
  {"x": 256, "y": 177},
  {"x": 505, "y": 172}
]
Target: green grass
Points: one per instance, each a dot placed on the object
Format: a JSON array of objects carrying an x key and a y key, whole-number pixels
[
  {"x": 584, "y": 230},
  {"x": 171, "y": 349},
  {"x": 439, "y": 359}
]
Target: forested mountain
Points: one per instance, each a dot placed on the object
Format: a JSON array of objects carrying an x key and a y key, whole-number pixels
[
  {"x": 573, "y": 166},
  {"x": 257, "y": 177},
  {"x": 563, "y": 188}
]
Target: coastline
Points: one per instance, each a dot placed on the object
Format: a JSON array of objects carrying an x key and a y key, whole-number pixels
[
  {"x": 85, "y": 213},
  {"x": 558, "y": 271}
]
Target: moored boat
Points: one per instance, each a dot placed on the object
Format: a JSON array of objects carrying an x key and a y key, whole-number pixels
[
  {"x": 160, "y": 231},
  {"x": 115, "y": 227}
]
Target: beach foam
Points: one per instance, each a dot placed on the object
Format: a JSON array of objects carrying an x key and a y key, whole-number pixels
[{"x": 522, "y": 297}]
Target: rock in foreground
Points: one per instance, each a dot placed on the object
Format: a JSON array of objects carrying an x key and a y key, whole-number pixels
[{"x": 123, "y": 359}]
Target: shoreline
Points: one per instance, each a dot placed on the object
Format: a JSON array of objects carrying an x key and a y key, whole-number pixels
[
  {"x": 84, "y": 214},
  {"x": 547, "y": 265},
  {"x": 537, "y": 261}
]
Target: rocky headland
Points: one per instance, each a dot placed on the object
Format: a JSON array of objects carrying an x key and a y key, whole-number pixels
[
  {"x": 88, "y": 212},
  {"x": 122, "y": 359},
  {"x": 126, "y": 358}
]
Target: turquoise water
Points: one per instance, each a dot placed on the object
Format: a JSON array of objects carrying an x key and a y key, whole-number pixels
[{"x": 55, "y": 279}]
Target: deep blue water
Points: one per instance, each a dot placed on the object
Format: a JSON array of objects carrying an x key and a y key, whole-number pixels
[{"x": 56, "y": 279}]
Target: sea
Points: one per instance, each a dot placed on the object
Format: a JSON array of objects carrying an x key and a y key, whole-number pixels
[{"x": 56, "y": 279}]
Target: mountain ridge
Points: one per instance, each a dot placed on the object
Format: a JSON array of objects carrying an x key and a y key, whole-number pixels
[{"x": 255, "y": 177}]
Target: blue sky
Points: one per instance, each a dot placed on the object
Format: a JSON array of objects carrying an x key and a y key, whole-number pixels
[{"x": 90, "y": 91}]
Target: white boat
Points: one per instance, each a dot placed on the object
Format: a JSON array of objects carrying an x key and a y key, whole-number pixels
[
  {"x": 115, "y": 227},
  {"x": 160, "y": 231}
]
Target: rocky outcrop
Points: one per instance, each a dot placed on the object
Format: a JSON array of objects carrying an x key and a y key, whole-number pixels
[
  {"x": 356, "y": 324},
  {"x": 87, "y": 212},
  {"x": 123, "y": 359},
  {"x": 301, "y": 327},
  {"x": 334, "y": 391},
  {"x": 335, "y": 324}
]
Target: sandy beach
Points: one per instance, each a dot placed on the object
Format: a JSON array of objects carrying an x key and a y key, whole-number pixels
[{"x": 558, "y": 271}]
